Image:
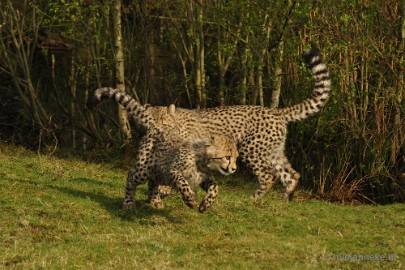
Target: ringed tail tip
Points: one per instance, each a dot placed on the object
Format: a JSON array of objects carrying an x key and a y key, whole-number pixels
[{"x": 309, "y": 56}]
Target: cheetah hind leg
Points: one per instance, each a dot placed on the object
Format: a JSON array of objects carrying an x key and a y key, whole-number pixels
[
  {"x": 289, "y": 177},
  {"x": 133, "y": 180},
  {"x": 212, "y": 191},
  {"x": 290, "y": 187}
]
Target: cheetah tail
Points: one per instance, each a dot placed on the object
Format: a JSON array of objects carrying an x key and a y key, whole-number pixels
[
  {"x": 136, "y": 110},
  {"x": 320, "y": 93}
]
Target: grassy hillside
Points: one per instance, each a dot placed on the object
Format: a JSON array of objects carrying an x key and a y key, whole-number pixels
[{"x": 66, "y": 214}]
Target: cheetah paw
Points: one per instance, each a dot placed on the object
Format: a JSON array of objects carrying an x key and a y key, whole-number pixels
[
  {"x": 190, "y": 203},
  {"x": 157, "y": 205},
  {"x": 203, "y": 207},
  {"x": 128, "y": 204},
  {"x": 288, "y": 197}
]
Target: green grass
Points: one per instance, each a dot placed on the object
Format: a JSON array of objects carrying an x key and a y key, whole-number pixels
[{"x": 66, "y": 214}]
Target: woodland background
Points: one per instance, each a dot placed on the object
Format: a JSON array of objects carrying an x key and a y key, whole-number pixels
[{"x": 204, "y": 53}]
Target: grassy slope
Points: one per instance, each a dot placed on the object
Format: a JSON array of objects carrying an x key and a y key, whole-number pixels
[{"x": 57, "y": 213}]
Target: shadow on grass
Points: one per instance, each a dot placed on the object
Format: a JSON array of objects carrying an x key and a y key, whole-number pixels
[
  {"x": 96, "y": 182},
  {"x": 112, "y": 204}
]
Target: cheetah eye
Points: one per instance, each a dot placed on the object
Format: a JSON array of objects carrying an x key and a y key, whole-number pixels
[{"x": 228, "y": 158}]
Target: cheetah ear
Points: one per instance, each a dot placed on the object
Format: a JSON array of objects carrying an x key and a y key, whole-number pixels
[
  {"x": 201, "y": 142},
  {"x": 171, "y": 110}
]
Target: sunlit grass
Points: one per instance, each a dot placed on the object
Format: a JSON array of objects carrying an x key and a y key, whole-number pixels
[{"x": 66, "y": 214}]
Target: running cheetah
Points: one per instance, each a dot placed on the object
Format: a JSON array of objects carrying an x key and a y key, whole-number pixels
[
  {"x": 260, "y": 132},
  {"x": 166, "y": 159}
]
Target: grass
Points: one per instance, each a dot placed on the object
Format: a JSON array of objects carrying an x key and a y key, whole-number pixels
[{"x": 66, "y": 214}]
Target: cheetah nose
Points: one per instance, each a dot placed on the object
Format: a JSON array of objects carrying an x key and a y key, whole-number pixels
[{"x": 232, "y": 169}]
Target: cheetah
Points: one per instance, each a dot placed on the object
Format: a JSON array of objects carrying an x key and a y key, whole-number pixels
[
  {"x": 260, "y": 132},
  {"x": 166, "y": 159}
]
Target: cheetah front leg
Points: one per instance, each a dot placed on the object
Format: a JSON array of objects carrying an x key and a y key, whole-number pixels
[
  {"x": 183, "y": 186},
  {"x": 212, "y": 191},
  {"x": 164, "y": 190},
  {"x": 155, "y": 198},
  {"x": 157, "y": 193},
  {"x": 265, "y": 174},
  {"x": 266, "y": 180},
  {"x": 260, "y": 167}
]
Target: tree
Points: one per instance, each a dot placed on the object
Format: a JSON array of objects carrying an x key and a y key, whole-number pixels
[
  {"x": 119, "y": 69},
  {"x": 18, "y": 42}
]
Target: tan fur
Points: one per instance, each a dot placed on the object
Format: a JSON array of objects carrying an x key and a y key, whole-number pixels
[
  {"x": 166, "y": 159},
  {"x": 260, "y": 132},
  {"x": 195, "y": 167}
]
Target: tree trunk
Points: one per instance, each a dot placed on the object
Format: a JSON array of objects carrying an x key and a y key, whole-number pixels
[
  {"x": 399, "y": 137},
  {"x": 260, "y": 84},
  {"x": 275, "y": 95},
  {"x": 72, "y": 82},
  {"x": 186, "y": 79},
  {"x": 222, "y": 88},
  {"x": 199, "y": 61},
  {"x": 244, "y": 62},
  {"x": 244, "y": 71},
  {"x": 252, "y": 84},
  {"x": 266, "y": 31},
  {"x": 120, "y": 75}
]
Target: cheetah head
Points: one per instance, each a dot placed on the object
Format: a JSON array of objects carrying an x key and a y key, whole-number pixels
[
  {"x": 163, "y": 116},
  {"x": 222, "y": 154}
]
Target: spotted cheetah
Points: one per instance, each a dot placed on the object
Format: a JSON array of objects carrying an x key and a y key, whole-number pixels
[
  {"x": 260, "y": 132},
  {"x": 166, "y": 159}
]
